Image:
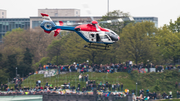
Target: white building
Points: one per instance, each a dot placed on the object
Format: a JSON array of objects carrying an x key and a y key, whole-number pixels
[
  {"x": 60, "y": 12},
  {"x": 2, "y": 13}
]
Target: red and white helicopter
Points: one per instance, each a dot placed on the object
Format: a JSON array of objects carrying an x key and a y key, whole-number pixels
[{"x": 90, "y": 32}]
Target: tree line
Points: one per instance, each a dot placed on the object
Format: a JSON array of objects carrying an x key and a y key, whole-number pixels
[{"x": 139, "y": 42}]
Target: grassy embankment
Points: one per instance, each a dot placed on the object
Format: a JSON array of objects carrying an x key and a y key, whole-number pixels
[
  {"x": 58, "y": 80},
  {"x": 158, "y": 82}
]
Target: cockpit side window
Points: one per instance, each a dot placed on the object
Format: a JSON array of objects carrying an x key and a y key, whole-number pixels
[
  {"x": 92, "y": 35},
  {"x": 113, "y": 33},
  {"x": 106, "y": 37}
]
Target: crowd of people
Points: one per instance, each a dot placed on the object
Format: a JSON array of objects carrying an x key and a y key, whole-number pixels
[
  {"x": 89, "y": 84},
  {"x": 146, "y": 94},
  {"x": 67, "y": 88},
  {"x": 128, "y": 66}
]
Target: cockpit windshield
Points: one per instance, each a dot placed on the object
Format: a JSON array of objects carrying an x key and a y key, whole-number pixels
[
  {"x": 110, "y": 32},
  {"x": 113, "y": 33}
]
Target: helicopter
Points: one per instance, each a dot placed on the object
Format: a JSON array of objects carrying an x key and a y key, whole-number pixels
[{"x": 90, "y": 32}]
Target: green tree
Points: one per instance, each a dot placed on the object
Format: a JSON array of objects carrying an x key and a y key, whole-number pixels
[
  {"x": 43, "y": 61},
  {"x": 25, "y": 66},
  {"x": 175, "y": 27},
  {"x": 168, "y": 43},
  {"x": 17, "y": 30},
  {"x": 55, "y": 49},
  {"x": 17, "y": 40},
  {"x": 1, "y": 57},
  {"x": 137, "y": 42},
  {"x": 4, "y": 76},
  {"x": 24, "y": 69},
  {"x": 28, "y": 57},
  {"x": 11, "y": 65}
]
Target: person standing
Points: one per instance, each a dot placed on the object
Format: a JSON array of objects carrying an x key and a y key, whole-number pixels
[
  {"x": 39, "y": 83},
  {"x": 80, "y": 76},
  {"x": 100, "y": 83},
  {"x": 5, "y": 86},
  {"x": 147, "y": 92},
  {"x": 176, "y": 85},
  {"x": 155, "y": 95},
  {"x": 109, "y": 87},
  {"x": 118, "y": 86},
  {"x": 69, "y": 85},
  {"x": 59, "y": 69},
  {"x": 170, "y": 94},
  {"x": 115, "y": 86},
  {"x": 2, "y": 87},
  {"x": 121, "y": 86},
  {"x": 87, "y": 77},
  {"x": 36, "y": 83},
  {"x": 46, "y": 83},
  {"x": 177, "y": 93},
  {"x": 79, "y": 86},
  {"x": 112, "y": 87}
]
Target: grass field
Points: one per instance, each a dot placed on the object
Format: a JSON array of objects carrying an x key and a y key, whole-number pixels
[{"x": 58, "y": 80}]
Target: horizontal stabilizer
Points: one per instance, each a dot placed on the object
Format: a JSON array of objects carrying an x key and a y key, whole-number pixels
[{"x": 56, "y": 32}]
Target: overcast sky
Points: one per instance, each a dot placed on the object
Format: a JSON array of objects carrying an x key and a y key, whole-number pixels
[{"x": 163, "y": 9}]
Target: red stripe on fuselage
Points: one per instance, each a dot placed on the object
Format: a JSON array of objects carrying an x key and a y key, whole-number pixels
[{"x": 90, "y": 27}]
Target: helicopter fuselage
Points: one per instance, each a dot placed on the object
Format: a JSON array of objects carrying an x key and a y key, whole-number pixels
[{"x": 87, "y": 31}]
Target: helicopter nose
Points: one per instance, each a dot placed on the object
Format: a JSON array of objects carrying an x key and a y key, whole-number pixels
[
  {"x": 114, "y": 38},
  {"x": 118, "y": 38}
]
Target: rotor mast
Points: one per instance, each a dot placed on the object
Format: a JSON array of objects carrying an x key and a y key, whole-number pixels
[{"x": 108, "y": 7}]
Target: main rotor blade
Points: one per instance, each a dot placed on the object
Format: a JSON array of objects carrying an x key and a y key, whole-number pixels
[
  {"x": 118, "y": 20},
  {"x": 97, "y": 28},
  {"x": 75, "y": 24},
  {"x": 92, "y": 19},
  {"x": 86, "y": 7}
]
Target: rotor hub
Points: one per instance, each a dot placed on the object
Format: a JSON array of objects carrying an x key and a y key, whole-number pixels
[{"x": 94, "y": 22}]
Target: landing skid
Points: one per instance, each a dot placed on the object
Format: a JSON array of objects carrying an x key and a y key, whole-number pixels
[{"x": 97, "y": 46}]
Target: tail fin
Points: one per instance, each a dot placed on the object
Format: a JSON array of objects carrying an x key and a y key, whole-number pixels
[
  {"x": 48, "y": 25},
  {"x": 45, "y": 16}
]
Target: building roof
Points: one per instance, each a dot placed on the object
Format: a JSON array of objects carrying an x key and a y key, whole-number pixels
[
  {"x": 144, "y": 17},
  {"x": 2, "y": 10},
  {"x": 68, "y": 17},
  {"x": 59, "y": 9}
]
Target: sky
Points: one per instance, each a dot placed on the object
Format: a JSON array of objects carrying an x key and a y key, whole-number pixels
[{"x": 163, "y": 9}]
